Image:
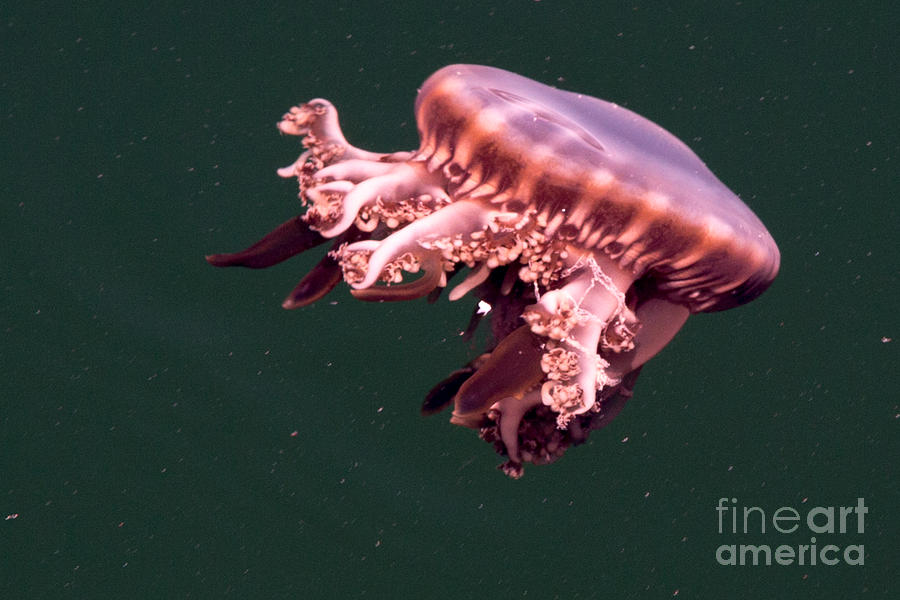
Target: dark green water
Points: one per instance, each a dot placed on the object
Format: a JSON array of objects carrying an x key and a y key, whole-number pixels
[{"x": 148, "y": 401}]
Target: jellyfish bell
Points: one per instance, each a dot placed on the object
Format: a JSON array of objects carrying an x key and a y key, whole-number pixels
[{"x": 590, "y": 232}]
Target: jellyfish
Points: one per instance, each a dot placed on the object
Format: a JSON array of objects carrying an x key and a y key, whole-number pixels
[{"x": 586, "y": 232}]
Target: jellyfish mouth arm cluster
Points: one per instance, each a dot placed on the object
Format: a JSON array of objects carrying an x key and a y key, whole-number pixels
[
  {"x": 317, "y": 122},
  {"x": 555, "y": 359},
  {"x": 592, "y": 232},
  {"x": 574, "y": 318},
  {"x": 344, "y": 185},
  {"x": 565, "y": 356},
  {"x": 458, "y": 219}
]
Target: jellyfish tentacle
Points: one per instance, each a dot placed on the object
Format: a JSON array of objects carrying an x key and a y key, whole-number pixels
[
  {"x": 353, "y": 200},
  {"x": 461, "y": 217},
  {"x": 575, "y": 317},
  {"x": 512, "y": 411},
  {"x": 478, "y": 276},
  {"x": 317, "y": 121},
  {"x": 510, "y": 371},
  {"x": 430, "y": 262},
  {"x": 354, "y": 170},
  {"x": 315, "y": 285},
  {"x": 290, "y": 238},
  {"x": 322, "y": 278},
  {"x": 401, "y": 182},
  {"x": 442, "y": 394}
]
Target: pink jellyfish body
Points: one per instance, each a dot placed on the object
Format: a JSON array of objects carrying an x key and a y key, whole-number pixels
[{"x": 591, "y": 232}]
